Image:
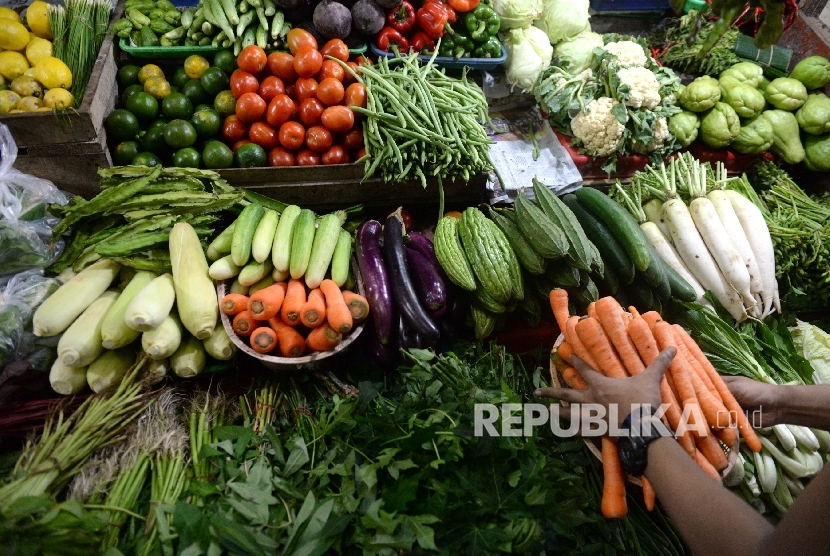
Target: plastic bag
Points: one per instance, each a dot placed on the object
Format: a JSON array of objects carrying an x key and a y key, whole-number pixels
[
  {"x": 20, "y": 296},
  {"x": 25, "y": 227}
]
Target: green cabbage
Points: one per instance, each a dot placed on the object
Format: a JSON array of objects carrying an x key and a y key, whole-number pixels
[
  {"x": 814, "y": 345},
  {"x": 579, "y": 52},
  {"x": 563, "y": 20},
  {"x": 516, "y": 14},
  {"x": 528, "y": 54}
]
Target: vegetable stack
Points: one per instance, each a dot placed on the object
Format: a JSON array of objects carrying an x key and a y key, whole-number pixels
[{"x": 619, "y": 345}]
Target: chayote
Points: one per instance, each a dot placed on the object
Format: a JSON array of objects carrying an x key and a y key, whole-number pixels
[
  {"x": 814, "y": 115},
  {"x": 747, "y": 101},
  {"x": 763, "y": 85},
  {"x": 786, "y": 139},
  {"x": 745, "y": 72},
  {"x": 755, "y": 137},
  {"x": 684, "y": 126},
  {"x": 720, "y": 125},
  {"x": 817, "y": 152},
  {"x": 816, "y": 93},
  {"x": 701, "y": 94},
  {"x": 813, "y": 72},
  {"x": 786, "y": 94}
]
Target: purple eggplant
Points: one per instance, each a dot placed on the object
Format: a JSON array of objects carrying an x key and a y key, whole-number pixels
[
  {"x": 429, "y": 284},
  {"x": 408, "y": 337},
  {"x": 403, "y": 287},
  {"x": 385, "y": 354},
  {"x": 375, "y": 280}
]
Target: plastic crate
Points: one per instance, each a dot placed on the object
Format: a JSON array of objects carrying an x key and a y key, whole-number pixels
[
  {"x": 630, "y": 5},
  {"x": 173, "y": 52},
  {"x": 453, "y": 63}
]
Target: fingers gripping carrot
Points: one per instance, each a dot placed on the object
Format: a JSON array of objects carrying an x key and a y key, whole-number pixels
[
  {"x": 313, "y": 313},
  {"x": 592, "y": 336},
  {"x": 573, "y": 379},
  {"x": 649, "y": 495},
  {"x": 614, "y": 504},
  {"x": 678, "y": 367},
  {"x": 559, "y": 304},
  {"x": 337, "y": 313},
  {"x": 711, "y": 450},
  {"x": 579, "y": 348},
  {"x": 707, "y": 467},
  {"x": 615, "y": 324}
]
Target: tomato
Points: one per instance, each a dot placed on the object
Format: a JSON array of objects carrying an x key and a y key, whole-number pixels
[
  {"x": 338, "y": 119},
  {"x": 264, "y": 135},
  {"x": 318, "y": 139},
  {"x": 353, "y": 140},
  {"x": 280, "y": 110},
  {"x": 310, "y": 111},
  {"x": 281, "y": 64},
  {"x": 348, "y": 78},
  {"x": 292, "y": 135},
  {"x": 453, "y": 214},
  {"x": 355, "y": 95},
  {"x": 298, "y": 38},
  {"x": 336, "y": 48},
  {"x": 271, "y": 86},
  {"x": 280, "y": 157},
  {"x": 336, "y": 155},
  {"x": 240, "y": 143},
  {"x": 405, "y": 217},
  {"x": 243, "y": 82},
  {"x": 233, "y": 129},
  {"x": 289, "y": 90},
  {"x": 363, "y": 61},
  {"x": 252, "y": 59},
  {"x": 304, "y": 88},
  {"x": 307, "y": 61},
  {"x": 250, "y": 107},
  {"x": 330, "y": 68},
  {"x": 330, "y": 91},
  {"x": 307, "y": 157},
  {"x": 360, "y": 154}
]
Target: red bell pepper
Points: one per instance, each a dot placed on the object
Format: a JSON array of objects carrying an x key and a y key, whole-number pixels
[
  {"x": 402, "y": 18},
  {"x": 433, "y": 18},
  {"x": 421, "y": 42},
  {"x": 463, "y": 5},
  {"x": 389, "y": 36}
]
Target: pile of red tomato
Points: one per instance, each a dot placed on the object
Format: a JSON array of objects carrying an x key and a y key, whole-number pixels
[{"x": 297, "y": 105}]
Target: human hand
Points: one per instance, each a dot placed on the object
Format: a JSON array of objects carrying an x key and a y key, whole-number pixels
[
  {"x": 753, "y": 397},
  {"x": 622, "y": 393}
]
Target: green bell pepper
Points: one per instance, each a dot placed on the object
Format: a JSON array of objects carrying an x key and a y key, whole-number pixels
[
  {"x": 482, "y": 23},
  {"x": 456, "y": 45},
  {"x": 489, "y": 49}
]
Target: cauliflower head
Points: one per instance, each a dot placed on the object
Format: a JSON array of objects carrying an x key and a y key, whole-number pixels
[
  {"x": 628, "y": 53},
  {"x": 598, "y": 128},
  {"x": 661, "y": 135},
  {"x": 644, "y": 89}
]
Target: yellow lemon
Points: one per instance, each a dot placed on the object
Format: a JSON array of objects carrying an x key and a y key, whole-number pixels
[
  {"x": 59, "y": 99},
  {"x": 30, "y": 72},
  {"x": 29, "y": 104},
  {"x": 26, "y": 86},
  {"x": 13, "y": 35},
  {"x": 148, "y": 71},
  {"x": 16, "y": 111},
  {"x": 8, "y": 101},
  {"x": 52, "y": 73},
  {"x": 195, "y": 66},
  {"x": 9, "y": 14},
  {"x": 37, "y": 50},
  {"x": 157, "y": 87},
  {"x": 38, "y": 19},
  {"x": 12, "y": 64},
  {"x": 44, "y": 109}
]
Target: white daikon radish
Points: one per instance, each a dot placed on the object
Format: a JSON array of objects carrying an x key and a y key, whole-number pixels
[
  {"x": 723, "y": 206},
  {"x": 670, "y": 257},
  {"x": 654, "y": 213}
]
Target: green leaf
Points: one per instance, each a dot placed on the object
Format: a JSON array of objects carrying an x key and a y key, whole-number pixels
[{"x": 297, "y": 458}]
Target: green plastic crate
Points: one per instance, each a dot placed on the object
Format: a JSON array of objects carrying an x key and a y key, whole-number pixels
[{"x": 174, "y": 52}]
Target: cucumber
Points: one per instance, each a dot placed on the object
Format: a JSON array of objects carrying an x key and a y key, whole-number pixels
[
  {"x": 642, "y": 295},
  {"x": 264, "y": 235},
  {"x": 656, "y": 275},
  {"x": 620, "y": 222},
  {"x": 564, "y": 275},
  {"x": 281, "y": 250},
  {"x": 548, "y": 239},
  {"x": 612, "y": 252},
  {"x": 325, "y": 241},
  {"x": 253, "y": 272},
  {"x": 301, "y": 242},
  {"x": 243, "y": 233},
  {"x": 221, "y": 245},
  {"x": 187, "y": 17},
  {"x": 223, "y": 268},
  {"x": 680, "y": 288},
  {"x": 341, "y": 258},
  {"x": 608, "y": 280},
  {"x": 580, "y": 253}
]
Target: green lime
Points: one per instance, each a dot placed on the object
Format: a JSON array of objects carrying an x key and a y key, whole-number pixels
[
  {"x": 225, "y": 103},
  {"x": 179, "y": 134},
  {"x": 122, "y": 125},
  {"x": 216, "y": 154},
  {"x": 153, "y": 140},
  {"x": 146, "y": 159},
  {"x": 201, "y": 107},
  {"x": 206, "y": 122},
  {"x": 186, "y": 158},
  {"x": 4, "y": 87},
  {"x": 124, "y": 153},
  {"x": 195, "y": 92},
  {"x": 128, "y": 75},
  {"x": 177, "y": 106},
  {"x": 179, "y": 78},
  {"x": 249, "y": 155},
  {"x": 144, "y": 106},
  {"x": 130, "y": 91},
  {"x": 159, "y": 122},
  {"x": 214, "y": 81},
  {"x": 225, "y": 61}
]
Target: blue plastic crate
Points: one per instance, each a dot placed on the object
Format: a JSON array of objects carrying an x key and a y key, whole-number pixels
[{"x": 630, "y": 5}]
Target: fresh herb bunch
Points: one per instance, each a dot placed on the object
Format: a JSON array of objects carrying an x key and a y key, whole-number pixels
[{"x": 680, "y": 41}]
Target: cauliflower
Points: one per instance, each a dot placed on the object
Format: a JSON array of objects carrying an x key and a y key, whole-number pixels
[
  {"x": 643, "y": 87},
  {"x": 628, "y": 53},
  {"x": 661, "y": 135},
  {"x": 598, "y": 129}
]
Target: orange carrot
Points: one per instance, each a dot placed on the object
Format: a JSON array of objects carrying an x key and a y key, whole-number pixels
[
  {"x": 323, "y": 338},
  {"x": 234, "y": 303},
  {"x": 652, "y": 317},
  {"x": 615, "y": 324},
  {"x": 728, "y": 399},
  {"x": 634, "y": 313},
  {"x": 727, "y": 435},
  {"x": 337, "y": 313},
  {"x": 711, "y": 450},
  {"x": 244, "y": 323},
  {"x": 695, "y": 364},
  {"x": 573, "y": 379},
  {"x": 290, "y": 341},
  {"x": 263, "y": 340},
  {"x": 648, "y": 494},
  {"x": 674, "y": 415},
  {"x": 579, "y": 348},
  {"x": 559, "y": 304},
  {"x": 592, "y": 309},
  {"x": 614, "y": 504},
  {"x": 715, "y": 412},
  {"x": 679, "y": 367},
  {"x": 357, "y": 304},
  {"x": 313, "y": 313},
  {"x": 594, "y": 339},
  {"x": 565, "y": 351},
  {"x": 707, "y": 467},
  {"x": 266, "y": 303},
  {"x": 293, "y": 303}
]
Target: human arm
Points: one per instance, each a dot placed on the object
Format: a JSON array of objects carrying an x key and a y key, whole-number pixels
[{"x": 808, "y": 406}]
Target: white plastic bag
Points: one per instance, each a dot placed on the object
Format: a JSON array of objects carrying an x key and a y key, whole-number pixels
[{"x": 19, "y": 297}]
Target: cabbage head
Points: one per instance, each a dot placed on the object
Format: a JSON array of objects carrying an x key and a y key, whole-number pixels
[
  {"x": 563, "y": 20},
  {"x": 579, "y": 52},
  {"x": 528, "y": 54},
  {"x": 516, "y": 14}
]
